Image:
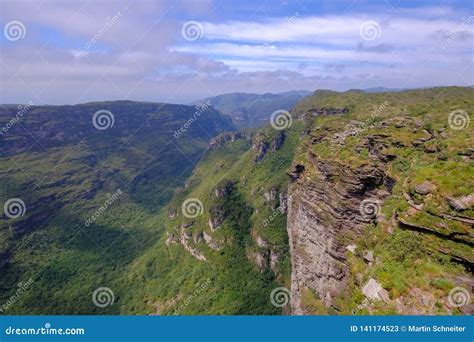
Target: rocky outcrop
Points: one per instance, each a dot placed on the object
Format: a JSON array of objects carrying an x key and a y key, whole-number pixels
[
  {"x": 185, "y": 237},
  {"x": 461, "y": 203},
  {"x": 372, "y": 290},
  {"x": 261, "y": 149},
  {"x": 224, "y": 138},
  {"x": 216, "y": 217},
  {"x": 270, "y": 196},
  {"x": 424, "y": 188},
  {"x": 278, "y": 142},
  {"x": 224, "y": 189},
  {"x": 210, "y": 242},
  {"x": 325, "y": 215},
  {"x": 171, "y": 213},
  {"x": 328, "y": 111}
]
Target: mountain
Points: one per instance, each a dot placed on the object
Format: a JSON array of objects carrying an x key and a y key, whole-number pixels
[
  {"x": 362, "y": 206},
  {"x": 88, "y": 186},
  {"x": 382, "y": 90},
  {"x": 359, "y": 203},
  {"x": 253, "y": 110}
]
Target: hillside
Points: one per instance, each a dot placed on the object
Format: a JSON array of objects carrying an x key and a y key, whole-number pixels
[
  {"x": 66, "y": 165},
  {"x": 362, "y": 204},
  {"x": 369, "y": 195},
  {"x": 253, "y": 110}
]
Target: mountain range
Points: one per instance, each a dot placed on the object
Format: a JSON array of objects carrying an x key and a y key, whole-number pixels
[
  {"x": 253, "y": 110},
  {"x": 355, "y": 203}
]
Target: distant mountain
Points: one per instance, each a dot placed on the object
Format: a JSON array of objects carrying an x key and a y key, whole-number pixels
[
  {"x": 253, "y": 110},
  {"x": 382, "y": 89}
]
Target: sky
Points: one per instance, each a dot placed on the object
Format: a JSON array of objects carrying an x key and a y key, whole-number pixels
[{"x": 68, "y": 52}]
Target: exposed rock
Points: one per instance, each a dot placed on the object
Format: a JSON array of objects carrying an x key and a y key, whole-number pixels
[
  {"x": 328, "y": 111},
  {"x": 171, "y": 213},
  {"x": 424, "y": 188},
  {"x": 350, "y": 130},
  {"x": 224, "y": 190},
  {"x": 278, "y": 141},
  {"x": 188, "y": 182},
  {"x": 261, "y": 148},
  {"x": 199, "y": 237},
  {"x": 461, "y": 203},
  {"x": 260, "y": 260},
  {"x": 416, "y": 302},
  {"x": 373, "y": 290},
  {"x": 368, "y": 257},
  {"x": 270, "y": 195},
  {"x": 274, "y": 261},
  {"x": 431, "y": 148},
  {"x": 283, "y": 203},
  {"x": 216, "y": 217},
  {"x": 377, "y": 145},
  {"x": 210, "y": 242},
  {"x": 296, "y": 172},
  {"x": 170, "y": 238},
  {"x": 188, "y": 224},
  {"x": 260, "y": 242},
  {"x": 412, "y": 203},
  {"x": 224, "y": 138},
  {"x": 185, "y": 236},
  {"x": 323, "y": 216},
  {"x": 351, "y": 248}
]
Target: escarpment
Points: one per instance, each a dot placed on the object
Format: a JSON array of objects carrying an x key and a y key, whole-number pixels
[
  {"x": 361, "y": 207},
  {"x": 326, "y": 212}
]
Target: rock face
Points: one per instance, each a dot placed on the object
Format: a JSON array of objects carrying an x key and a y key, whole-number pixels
[
  {"x": 461, "y": 203},
  {"x": 324, "y": 218},
  {"x": 373, "y": 290},
  {"x": 424, "y": 188},
  {"x": 216, "y": 217},
  {"x": 224, "y": 189},
  {"x": 223, "y": 138},
  {"x": 278, "y": 141}
]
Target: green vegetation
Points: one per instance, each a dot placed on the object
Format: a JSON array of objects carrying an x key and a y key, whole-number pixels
[
  {"x": 64, "y": 170},
  {"x": 408, "y": 134}
]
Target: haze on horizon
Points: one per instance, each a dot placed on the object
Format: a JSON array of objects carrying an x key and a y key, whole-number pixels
[{"x": 59, "y": 52}]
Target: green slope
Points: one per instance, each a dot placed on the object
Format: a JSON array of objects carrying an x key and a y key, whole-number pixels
[{"x": 64, "y": 170}]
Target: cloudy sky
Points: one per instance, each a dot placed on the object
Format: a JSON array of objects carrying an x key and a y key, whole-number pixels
[{"x": 65, "y": 52}]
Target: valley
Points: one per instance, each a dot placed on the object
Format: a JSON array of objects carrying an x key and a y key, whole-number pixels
[{"x": 362, "y": 203}]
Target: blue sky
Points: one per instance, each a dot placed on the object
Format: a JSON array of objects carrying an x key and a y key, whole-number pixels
[{"x": 180, "y": 51}]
